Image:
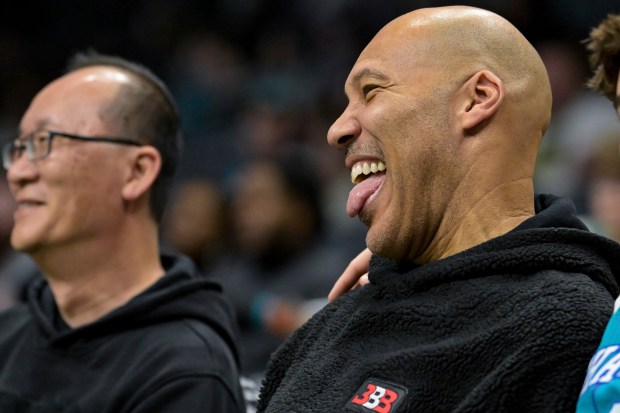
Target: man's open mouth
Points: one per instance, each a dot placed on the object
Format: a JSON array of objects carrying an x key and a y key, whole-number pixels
[{"x": 364, "y": 169}]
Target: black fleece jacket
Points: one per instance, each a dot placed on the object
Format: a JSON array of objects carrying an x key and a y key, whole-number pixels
[
  {"x": 507, "y": 326},
  {"x": 170, "y": 349}
]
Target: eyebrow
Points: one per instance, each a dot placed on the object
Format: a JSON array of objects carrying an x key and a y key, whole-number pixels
[
  {"x": 40, "y": 125},
  {"x": 368, "y": 72}
]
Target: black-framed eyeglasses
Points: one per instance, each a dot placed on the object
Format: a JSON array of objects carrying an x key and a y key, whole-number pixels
[{"x": 38, "y": 145}]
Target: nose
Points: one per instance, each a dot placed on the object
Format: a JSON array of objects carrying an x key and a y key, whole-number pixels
[
  {"x": 21, "y": 171},
  {"x": 344, "y": 130}
]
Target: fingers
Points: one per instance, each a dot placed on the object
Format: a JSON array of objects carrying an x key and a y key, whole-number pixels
[{"x": 354, "y": 275}]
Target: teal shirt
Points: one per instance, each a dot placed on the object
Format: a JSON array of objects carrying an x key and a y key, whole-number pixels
[{"x": 601, "y": 389}]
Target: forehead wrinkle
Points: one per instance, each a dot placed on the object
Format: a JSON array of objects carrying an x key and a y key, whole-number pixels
[{"x": 368, "y": 72}]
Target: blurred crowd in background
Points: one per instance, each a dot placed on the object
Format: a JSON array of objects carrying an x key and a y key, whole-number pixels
[{"x": 259, "y": 201}]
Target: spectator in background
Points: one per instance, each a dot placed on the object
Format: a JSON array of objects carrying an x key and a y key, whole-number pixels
[
  {"x": 601, "y": 388},
  {"x": 603, "y": 188},
  {"x": 579, "y": 121},
  {"x": 196, "y": 222},
  {"x": 280, "y": 271},
  {"x": 208, "y": 75},
  {"x": 114, "y": 325}
]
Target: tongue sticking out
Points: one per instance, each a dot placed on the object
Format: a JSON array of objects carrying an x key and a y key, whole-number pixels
[{"x": 361, "y": 192}]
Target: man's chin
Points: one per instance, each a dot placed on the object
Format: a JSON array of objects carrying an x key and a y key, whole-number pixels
[
  {"x": 387, "y": 245},
  {"x": 22, "y": 244},
  {"x": 383, "y": 246}
]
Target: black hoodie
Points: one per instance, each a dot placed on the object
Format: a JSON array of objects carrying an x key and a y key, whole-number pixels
[
  {"x": 169, "y": 349},
  {"x": 507, "y": 326}
]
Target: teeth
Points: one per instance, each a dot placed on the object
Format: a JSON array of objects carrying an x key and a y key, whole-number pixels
[{"x": 366, "y": 169}]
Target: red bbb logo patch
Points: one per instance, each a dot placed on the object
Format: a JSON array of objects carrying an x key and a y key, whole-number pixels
[{"x": 377, "y": 396}]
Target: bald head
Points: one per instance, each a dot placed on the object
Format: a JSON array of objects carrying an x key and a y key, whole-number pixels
[{"x": 460, "y": 41}]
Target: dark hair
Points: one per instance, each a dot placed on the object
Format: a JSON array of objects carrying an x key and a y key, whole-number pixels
[
  {"x": 299, "y": 172},
  {"x": 603, "y": 46},
  {"x": 146, "y": 111}
]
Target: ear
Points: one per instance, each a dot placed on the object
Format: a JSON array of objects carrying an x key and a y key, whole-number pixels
[
  {"x": 143, "y": 170},
  {"x": 483, "y": 96}
]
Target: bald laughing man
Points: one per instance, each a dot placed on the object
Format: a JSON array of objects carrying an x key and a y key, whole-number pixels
[{"x": 482, "y": 297}]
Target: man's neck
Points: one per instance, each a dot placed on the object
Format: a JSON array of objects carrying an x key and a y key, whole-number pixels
[
  {"x": 89, "y": 280},
  {"x": 87, "y": 300},
  {"x": 490, "y": 215}
]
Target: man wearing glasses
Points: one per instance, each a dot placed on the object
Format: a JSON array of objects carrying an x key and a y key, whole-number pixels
[{"x": 115, "y": 325}]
